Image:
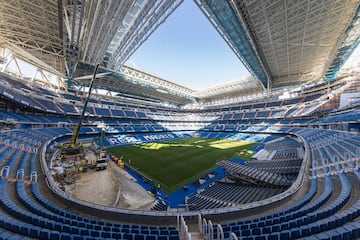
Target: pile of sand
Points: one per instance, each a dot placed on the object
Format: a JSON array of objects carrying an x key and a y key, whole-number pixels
[{"x": 112, "y": 187}]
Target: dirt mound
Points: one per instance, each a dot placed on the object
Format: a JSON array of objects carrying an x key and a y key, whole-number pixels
[{"x": 112, "y": 187}]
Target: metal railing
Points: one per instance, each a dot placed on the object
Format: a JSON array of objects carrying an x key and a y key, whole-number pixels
[{"x": 5, "y": 171}]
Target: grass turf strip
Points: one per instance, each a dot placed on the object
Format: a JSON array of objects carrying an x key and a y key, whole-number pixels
[{"x": 177, "y": 163}]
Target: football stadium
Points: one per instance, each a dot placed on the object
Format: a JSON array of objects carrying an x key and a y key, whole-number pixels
[{"x": 93, "y": 146}]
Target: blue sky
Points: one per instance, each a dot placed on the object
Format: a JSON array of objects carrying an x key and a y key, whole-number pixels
[{"x": 187, "y": 50}]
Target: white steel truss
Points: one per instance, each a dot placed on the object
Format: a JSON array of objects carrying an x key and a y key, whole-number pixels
[
  {"x": 102, "y": 20},
  {"x": 34, "y": 27},
  {"x": 243, "y": 86},
  {"x": 142, "y": 78},
  {"x": 298, "y": 39},
  {"x": 143, "y": 20}
]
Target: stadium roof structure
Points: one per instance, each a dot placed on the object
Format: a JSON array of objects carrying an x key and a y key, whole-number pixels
[
  {"x": 281, "y": 42},
  {"x": 285, "y": 42}
]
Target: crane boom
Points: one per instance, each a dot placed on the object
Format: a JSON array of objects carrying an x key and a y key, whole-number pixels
[{"x": 75, "y": 135}]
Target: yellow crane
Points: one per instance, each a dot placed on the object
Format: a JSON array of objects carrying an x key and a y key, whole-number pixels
[{"x": 74, "y": 138}]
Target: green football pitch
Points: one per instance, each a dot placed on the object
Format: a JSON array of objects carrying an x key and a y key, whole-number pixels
[{"x": 177, "y": 163}]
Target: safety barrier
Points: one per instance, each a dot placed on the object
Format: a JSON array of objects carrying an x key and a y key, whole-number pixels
[
  {"x": 233, "y": 236},
  {"x": 5, "y": 171},
  {"x": 206, "y": 228},
  {"x": 20, "y": 174},
  {"x": 33, "y": 177},
  {"x": 183, "y": 228},
  {"x": 220, "y": 232}
]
